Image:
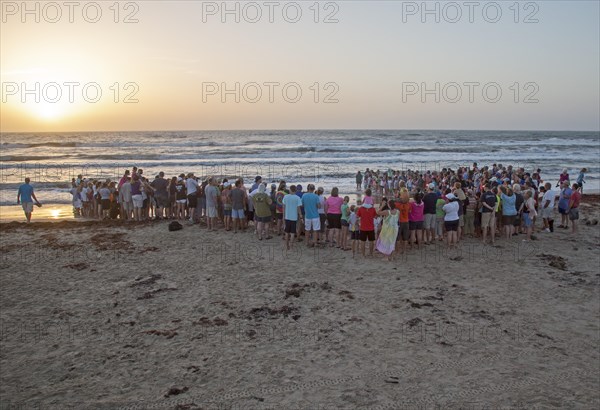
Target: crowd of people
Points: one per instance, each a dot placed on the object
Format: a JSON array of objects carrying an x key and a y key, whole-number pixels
[{"x": 394, "y": 212}]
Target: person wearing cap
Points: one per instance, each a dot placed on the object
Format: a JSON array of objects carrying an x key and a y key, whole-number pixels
[{"x": 451, "y": 219}]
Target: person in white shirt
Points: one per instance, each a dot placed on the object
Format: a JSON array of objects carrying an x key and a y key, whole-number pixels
[
  {"x": 191, "y": 186},
  {"x": 547, "y": 207},
  {"x": 451, "y": 219},
  {"x": 125, "y": 200}
]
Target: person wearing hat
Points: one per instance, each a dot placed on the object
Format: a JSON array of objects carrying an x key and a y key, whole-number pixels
[{"x": 451, "y": 219}]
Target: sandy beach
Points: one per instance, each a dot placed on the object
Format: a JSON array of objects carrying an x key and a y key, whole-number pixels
[{"x": 113, "y": 315}]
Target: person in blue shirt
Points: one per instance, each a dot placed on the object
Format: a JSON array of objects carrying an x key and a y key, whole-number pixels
[
  {"x": 509, "y": 210},
  {"x": 580, "y": 179},
  {"x": 291, "y": 215},
  {"x": 312, "y": 221},
  {"x": 25, "y": 196}
]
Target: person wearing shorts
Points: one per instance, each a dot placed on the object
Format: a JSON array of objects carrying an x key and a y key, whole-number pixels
[
  {"x": 366, "y": 215},
  {"x": 238, "y": 205},
  {"x": 292, "y": 212},
  {"x": 312, "y": 222},
  {"x": 25, "y": 197},
  {"x": 211, "y": 194},
  {"x": 451, "y": 219}
]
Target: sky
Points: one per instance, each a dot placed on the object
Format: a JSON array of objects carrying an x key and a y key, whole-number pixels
[{"x": 189, "y": 65}]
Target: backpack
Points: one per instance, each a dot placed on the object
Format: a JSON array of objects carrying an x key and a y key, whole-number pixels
[{"x": 175, "y": 226}]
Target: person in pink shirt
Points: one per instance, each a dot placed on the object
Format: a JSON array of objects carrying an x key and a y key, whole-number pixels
[
  {"x": 123, "y": 179},
  {"x": 415, "y": 219},
  {"x": 573, "y": 209},
  {"x": 333, "y": 209}
]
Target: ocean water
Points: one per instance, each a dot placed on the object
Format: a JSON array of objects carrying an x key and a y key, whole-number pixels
[{"x": 327, "y": 157}]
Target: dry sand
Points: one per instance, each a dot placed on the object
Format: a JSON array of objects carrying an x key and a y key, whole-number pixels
[{"x": 121, "y": 316}]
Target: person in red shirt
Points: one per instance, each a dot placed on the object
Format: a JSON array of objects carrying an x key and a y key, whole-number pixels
[
  {"x": 573, "y": 209},
  {"x": 366, "y": 215},
  {"x": 403, "y": 227}
]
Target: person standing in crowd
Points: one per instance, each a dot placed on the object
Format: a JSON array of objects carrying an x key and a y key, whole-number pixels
[
  {"x": 547, "y": 207},
  {"x": 226, "y": 201},
  {"x": 191, "y": 186},
  {"x": 366, "y": 218},
  {"x": 386, "y": 242},
  {"x": 262, "y": 212},
  {"x": 238, "y": 206},
  {"x": 291, "y": 213},
  {"x": 529, "y": 213},
  {"x": 563, "y": 204},
  {"x": 564, "y": 176},
  {"x": 573, "y": 208},
  {"x": 322, "y": 214},
  {"x": 415, "y": 219},
  {"x": 509, "y": 210},
  {"x": 488, "y": 214},
  {"x": 312, "y": 222},
  {"x": 161, "y": 195},
  {"x": 211, "y": 194},
  {"x": 281, "y": 193},
  {"x": 451, "y": 219},
  {"x": 333, "y": 209},
  {"x": 429, "y": 211}
]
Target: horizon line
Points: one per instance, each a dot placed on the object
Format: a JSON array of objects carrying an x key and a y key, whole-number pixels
[{"x": 298, "y": 129}]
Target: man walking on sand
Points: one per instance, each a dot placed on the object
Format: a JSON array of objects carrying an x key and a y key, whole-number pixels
[{"x": 24, "y": 197}]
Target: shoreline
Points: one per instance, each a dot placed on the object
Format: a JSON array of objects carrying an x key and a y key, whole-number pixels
[{"x": 56, "y": 213}]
